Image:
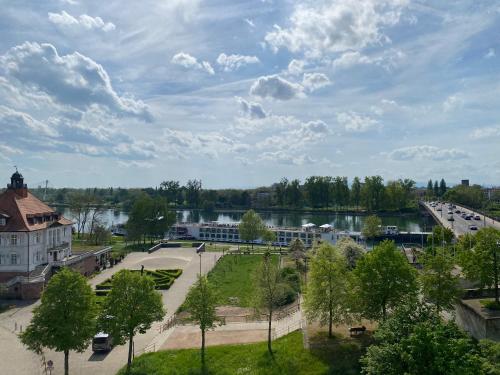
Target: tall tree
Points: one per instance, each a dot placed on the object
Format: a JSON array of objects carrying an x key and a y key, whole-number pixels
[
  {"x": 131, "y": 307},
  {"x": 482, "y": 263},
  {"x": 193, "y": 193},
  {"x": 170, "y": 189},
  {"x": 201, "y": 302},
  {"x": 66, "y": 318},
  {"x": 373, "y": 192},
  {"x": 429, "y": 191},
  {"x": 383, "y": 278},
  {"x": 436, "y": 189},
  {"x": 294, "y": 194},
  {"x": 439, "y": 285},
  {"x": 268, "y": 236},
  {"x": 327, "y": 293},
  {"x": 280, "y": 190},
  {"x": 442, "y": 187},
  {"x": 371, "y": 227},
  {"x": 251, "y": 227},
  {"x": 297, "y": 251},
  {"x": 268, "y": 291},
  {"x": 351, "y": 251},
  {"x": 356, "y": 192}
]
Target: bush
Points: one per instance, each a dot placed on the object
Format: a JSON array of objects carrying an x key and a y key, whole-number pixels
[
  {"x": 291, "y": 277},
  {"x": 492, "y": 305},
  {"x": 289, "y": 295}
]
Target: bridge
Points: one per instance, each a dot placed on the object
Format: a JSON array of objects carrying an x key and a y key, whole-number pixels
[{"x": 459, "y": 225}]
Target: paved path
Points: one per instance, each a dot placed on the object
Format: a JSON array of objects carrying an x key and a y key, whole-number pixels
[{"x": 23, "y": 362}]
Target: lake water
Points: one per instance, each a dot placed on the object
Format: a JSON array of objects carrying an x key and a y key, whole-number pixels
[{"x": 412, "y": 223}]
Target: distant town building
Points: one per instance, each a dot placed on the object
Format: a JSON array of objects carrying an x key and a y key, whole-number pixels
[
  {"x": 31, "y": 233},
  {"x": 465, "y": 183}
]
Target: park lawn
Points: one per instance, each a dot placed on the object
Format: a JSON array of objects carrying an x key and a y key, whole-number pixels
[
  {"x": 233, "y": 276},
  {"x": 290, "y": 357}
]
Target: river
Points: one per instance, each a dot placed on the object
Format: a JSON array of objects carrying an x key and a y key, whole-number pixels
[{"x": 352, "y": 222}]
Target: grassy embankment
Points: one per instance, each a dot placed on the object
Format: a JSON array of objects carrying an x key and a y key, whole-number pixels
[{"x": 341, "y": 356}]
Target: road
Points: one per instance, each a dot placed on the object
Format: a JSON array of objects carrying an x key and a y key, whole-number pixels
[
  {"x": 22, "y": 362},
  {"x": 459, "y": 225}
]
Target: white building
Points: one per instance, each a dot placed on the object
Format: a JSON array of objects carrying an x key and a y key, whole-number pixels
[{"x": 31, "y": 233}]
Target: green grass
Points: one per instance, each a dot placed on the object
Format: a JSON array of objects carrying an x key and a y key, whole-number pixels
[
  {"x": 233, "y": 277},
  {"x": 490, "y": 304},
  {"x": 290, "y": 357}
]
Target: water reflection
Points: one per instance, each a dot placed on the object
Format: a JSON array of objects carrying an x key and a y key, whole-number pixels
[{"x": 411, "y": 223}]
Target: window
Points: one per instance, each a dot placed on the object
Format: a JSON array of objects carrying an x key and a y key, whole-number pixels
[
  {"x": 2, "y": 221},
  {"x": 64, "y": 232},
  {"x": 13, "y": 258},
  {"x": 38, "y": 237},
  {"x": 13, "y": 239}
]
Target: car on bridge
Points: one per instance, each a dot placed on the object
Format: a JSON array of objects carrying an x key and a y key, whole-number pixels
[
  {"x": 450, "y": 218},
  {"x": 477, "y": 217},
  {"x": 472, "y": 227}
]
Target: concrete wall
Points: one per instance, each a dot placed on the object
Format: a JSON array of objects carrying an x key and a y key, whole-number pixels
[{"x": 476, "y": 324}]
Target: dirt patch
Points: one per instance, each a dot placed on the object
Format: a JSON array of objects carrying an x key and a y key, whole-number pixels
[{"x": 185, "y": 337}]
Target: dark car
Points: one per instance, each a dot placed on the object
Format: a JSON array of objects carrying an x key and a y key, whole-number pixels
[
  {"x": 472, "y": 227},
  {"x": 102, "y": 342}
]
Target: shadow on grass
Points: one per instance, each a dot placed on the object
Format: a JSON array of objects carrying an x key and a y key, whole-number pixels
[{"x": 341, "y": 353}]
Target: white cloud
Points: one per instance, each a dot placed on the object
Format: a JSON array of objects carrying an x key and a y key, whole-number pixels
[
  {"x": 185, "y": 143},
  {"x": 296, "y": 67},
  {"x": 85, "y": 21},
  {"x": 190, "y": 62},
  {"x": 427, "y": 153},
  {"x": 314, "y": 81},
  {"x": 249, "y": 22},
  {"x": 487, "y": 132},
  {"x": 276, "y": 87},
  {"x": 490, "y": 54},
  {"x": 354, "y": 122},
  {"x": 452, "y": 103},
  {"x": 297, "y": 135},
  {"x": 234, "y": 62},
  {"x": 388, "y": 60},
  {"x": 251, "y": 109},
  {"x": 284, "y": 157},
  {"x": 73, "y": 80},
  {"x": 326, "y": 26}
]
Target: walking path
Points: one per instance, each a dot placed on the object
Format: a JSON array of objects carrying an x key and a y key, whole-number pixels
[{"x": 22, "y": 362}]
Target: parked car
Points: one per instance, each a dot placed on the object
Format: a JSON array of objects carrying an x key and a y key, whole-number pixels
[
  {"x": 477, "y": 217},
  {"x": 457, "y": 211},
  {"x": 450, "y": 218},
  {"x": 472, "y": 227},
  {"x": 439, "y": 209},
  {"x": 468, "y": 217},
  {"x": 463, "y": 215},
  {"x": 102, "y": 342}
]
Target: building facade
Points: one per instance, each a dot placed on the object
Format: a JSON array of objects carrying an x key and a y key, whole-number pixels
[{"x": 31, "y": 233}]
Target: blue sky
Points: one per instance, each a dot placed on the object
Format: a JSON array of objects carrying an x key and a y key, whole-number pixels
[{"x": 241, "y": 93}]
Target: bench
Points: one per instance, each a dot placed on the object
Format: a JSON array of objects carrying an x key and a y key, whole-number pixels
[{"x": 357, "y": 330}]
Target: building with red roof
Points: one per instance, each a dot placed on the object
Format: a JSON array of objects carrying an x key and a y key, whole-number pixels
[{"x": 31, "y": 233}]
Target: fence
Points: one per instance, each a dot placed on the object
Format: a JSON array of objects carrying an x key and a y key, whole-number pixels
[{"x": 286, "y": 330}]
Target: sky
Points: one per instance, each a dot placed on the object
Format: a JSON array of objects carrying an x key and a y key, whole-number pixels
[{"x": 241, "y": 93}]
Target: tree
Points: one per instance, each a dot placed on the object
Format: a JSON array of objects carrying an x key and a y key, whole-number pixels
[
  {"x": 268, "y": 290},
  {"x": 371, "y": 227},
  {"x": 429, "y": 191},
  {"x": 441, "y": 236},
  {"x": 442, "y": 187},
  {"x": 268, "y": 236},
  {"x": 251, "y": 226},
  {"x": 80, "y": 205},
  {"x": 131, "y": 307},
  {"x": 351, "y": 251},
  {"x": 294, "y": 194},
  {"x": 382, "y": 279},
  {"x": 327, "y": 293},
  {"x": 193, "y": 192},
  {"x": 373, "y": 193},
  {"x": 170, "y": 189},
  {"x": 280, "y": 189},
  {"x": 297, "y": 251},
  {"x": 356, "y": 192},
  {"x": 66, "y": 318},
  {"x": 482, "y": 263},
  {"x": 415, "y": 341},
  {"x": 436, "y": 189},
  {"x": 201, "y": 302},
  {"x": 439, "y": 285}
]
